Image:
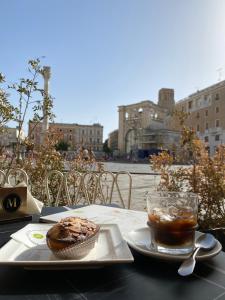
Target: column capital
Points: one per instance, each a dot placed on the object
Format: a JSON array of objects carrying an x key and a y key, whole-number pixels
[{"x": 46, "y": 72}]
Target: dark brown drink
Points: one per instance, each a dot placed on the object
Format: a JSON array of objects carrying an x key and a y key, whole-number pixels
[{"x": 171, "y": 231}]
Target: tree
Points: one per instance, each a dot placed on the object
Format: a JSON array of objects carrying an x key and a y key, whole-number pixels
[
  {"x": 106, "y": 148},
  {"x": 28, "y": 93},
  {"x": 62, "y": 146},
  {"x": 7, "y": 111}
]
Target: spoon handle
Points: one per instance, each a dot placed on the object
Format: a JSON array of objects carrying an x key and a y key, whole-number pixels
[{"x": 188, "y": 265}]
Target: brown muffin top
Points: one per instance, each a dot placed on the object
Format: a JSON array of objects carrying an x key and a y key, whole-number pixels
[{"x": 72, "y": 229}]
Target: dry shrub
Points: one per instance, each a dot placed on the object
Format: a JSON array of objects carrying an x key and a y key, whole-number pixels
[{"x": 39, "y": 162}]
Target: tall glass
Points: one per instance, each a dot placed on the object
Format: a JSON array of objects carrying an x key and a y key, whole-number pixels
[{"x": 172, "y": 219}]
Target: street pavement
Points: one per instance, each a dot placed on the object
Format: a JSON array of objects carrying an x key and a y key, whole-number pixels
[{"x": 129, "y": 167}]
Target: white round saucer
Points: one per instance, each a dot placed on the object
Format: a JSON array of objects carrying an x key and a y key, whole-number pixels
[{"x": 140, "y": 239}]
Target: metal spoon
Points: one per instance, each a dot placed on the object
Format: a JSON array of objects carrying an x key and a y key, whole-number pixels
[{"x": 205, "y": 241}]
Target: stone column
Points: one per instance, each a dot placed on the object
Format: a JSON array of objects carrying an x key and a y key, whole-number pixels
[
  {"x": 121, "y": 130},
  {"x": 46, "y": 73}
]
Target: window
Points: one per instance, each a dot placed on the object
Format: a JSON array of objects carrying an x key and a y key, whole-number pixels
[
  {"x": 190, "y": 104},
  {"x": 206, "y": 113},
  {"x": 70, "y": 137},
  {"x": 217, "y": 137},
  {"x": 217, "y": 97},
  {"x": 206, "y": 126},
  {"x": 60, "y": 130},
  {"x": 98, "y": 141},
  {"x": 90, "y": 131},
  {"x": 90, "y": 140},
  {"x": 98, "y": 132},
  {"x": 217, "y": 123},
  {"x": 70, "y": 130},
  {"x": 205, "y": 97},
  {"x": 197, "y": 102},
  {"x": 197, "y": 116},
  {"x": 198, "y": 127},
  {"x": 83, "y": 131},
  {"x": 217, "y": 109},
  {"x": 206, "y": 139}
]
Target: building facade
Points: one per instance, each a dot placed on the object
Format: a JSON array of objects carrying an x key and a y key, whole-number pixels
[
  {"x": 142, "y": 127},
  {"x": 75, "y": 135},
  {"x": 206, "y": 110},
  {"x": 9, "y": 138}
]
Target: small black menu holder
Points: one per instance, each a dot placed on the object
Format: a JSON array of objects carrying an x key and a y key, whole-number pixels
[{"x": 13, "y": 204}]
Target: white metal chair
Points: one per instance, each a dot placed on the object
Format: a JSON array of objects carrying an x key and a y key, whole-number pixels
[
  {"x": 98, "y": 188},
  {"x": 75, "y": 188}
]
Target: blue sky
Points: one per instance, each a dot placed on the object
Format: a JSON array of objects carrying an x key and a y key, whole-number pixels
[{"x": 105, "y": 53}]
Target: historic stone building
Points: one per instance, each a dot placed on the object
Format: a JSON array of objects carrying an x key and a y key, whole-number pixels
[
  {"x": 149, "y": 126},
  {"x": 75, "y": 135},
  {"x": 142, "y": 128}
]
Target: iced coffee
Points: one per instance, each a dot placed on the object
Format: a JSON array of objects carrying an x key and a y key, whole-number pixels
[{"x": 172, "y": 219}]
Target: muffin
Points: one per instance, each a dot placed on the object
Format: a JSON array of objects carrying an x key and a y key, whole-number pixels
[{"x": 72, "y": 237}]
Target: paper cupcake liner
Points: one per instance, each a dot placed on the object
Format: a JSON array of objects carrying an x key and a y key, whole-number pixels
[{"x": 77, "y": 251}]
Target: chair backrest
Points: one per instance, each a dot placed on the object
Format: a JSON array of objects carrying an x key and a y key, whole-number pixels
[
  {"x": 105, "y": 186},
  {"x": 124, "y": 192},
  {"x": 74, "y": 188},
  {"x": 90, "y": 186},
  {"x": 13, "y": 177},
  {"x": 54, "y": 185}
]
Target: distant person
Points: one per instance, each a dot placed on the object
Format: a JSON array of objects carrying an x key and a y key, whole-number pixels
[
  {"x": 91, "y": 154},
  {"x": 85, "y": 154}
]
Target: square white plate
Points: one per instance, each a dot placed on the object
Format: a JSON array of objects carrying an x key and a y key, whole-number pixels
[{"x": 110, "y": 248}]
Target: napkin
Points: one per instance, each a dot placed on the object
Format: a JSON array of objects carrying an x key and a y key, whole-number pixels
[
  {"x": 34, "y": 206},
  {"x": 32, "y": 235}
]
